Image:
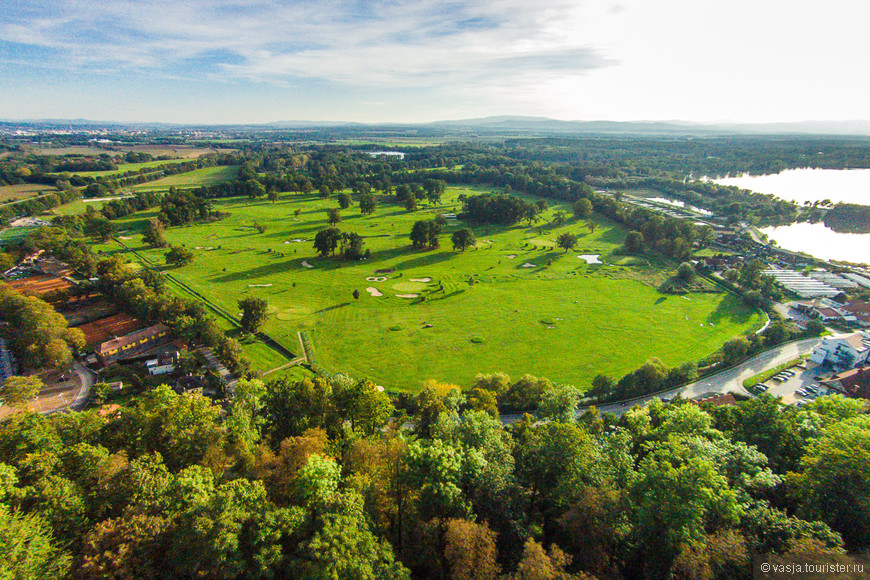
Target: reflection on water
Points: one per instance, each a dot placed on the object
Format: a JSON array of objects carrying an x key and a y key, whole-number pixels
[
  {"x": 801, "y": 185},
  {"x": 678, "y": 203},
  {"x": 821, "y": 242}
]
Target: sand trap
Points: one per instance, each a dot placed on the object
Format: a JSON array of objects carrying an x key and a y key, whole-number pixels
[
  {"x": 204, "y": 248},
  {"x": 376, "y": 279},
  {"x": 511, "y": 257},
  {"x": 259, "y": 285},
  {"x": 128, "y": 238},
  {"x": 373, "y": 291},
  {"x": 379, "y": 388},
  {"x": 486, "y": 241},
  {"x": 407, "y": 295},
  {"x": 529, "y": 265},
  {"x": 591, "y": 258},
  {"x": 420, "y": 280},
  {"x": 306, "y": 264}
]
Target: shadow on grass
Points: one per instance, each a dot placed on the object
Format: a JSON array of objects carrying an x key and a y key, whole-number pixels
[
  {"x": 428, "y": 259},
  {"x": 253, "y": 273},
  {"x": 731, "y": 310},
  {"x": 335, "y": 307}
]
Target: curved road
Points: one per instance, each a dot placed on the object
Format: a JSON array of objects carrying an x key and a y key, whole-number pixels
[{"x": 727, "y": 381}]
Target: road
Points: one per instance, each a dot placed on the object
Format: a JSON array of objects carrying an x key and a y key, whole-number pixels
[{"x": 730, "y": 380}]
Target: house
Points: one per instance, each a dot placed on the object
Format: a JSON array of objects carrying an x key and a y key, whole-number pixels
[
  {"x": 134, "y": 344},
  {"x": 852, "y": 383},
  {"x": 715, "y": 399},
  {"x": 858, "y": 309},
  {"x": 845, "y": 350},
  {"x": 163, "y": 364}
]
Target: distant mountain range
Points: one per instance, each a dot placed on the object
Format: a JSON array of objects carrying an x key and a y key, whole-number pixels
[{"x": 508, "y": 124}]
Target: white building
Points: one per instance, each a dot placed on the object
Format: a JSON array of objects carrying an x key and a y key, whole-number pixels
[{"x": 845, "y": 350}]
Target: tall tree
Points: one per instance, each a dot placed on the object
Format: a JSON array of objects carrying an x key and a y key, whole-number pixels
[
  {"x": 326, "y": 241},
  {"x": 155, "y": 234},
  {"x": 462, "y": 239},
  {"x": 566, "y": 240},
  {"x": 254, "y": 312}
]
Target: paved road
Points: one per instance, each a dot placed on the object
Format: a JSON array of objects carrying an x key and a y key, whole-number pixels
[
  {"x": 727, "y": 381},
  {"x": 731, "y": 380},
  {"x": 88, "y": 378}
]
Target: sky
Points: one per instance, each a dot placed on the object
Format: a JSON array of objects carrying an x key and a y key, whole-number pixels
[{"x": 249, "y": 61}]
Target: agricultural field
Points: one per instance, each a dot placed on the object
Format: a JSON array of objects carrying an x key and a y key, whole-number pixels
[
  {"x": 515, "y": 303},
  {"x": 124, "y": 167},
  {"x": 23, "y": 191}
]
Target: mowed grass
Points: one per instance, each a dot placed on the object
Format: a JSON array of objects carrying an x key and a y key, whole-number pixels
[
  {"x": 483, "y": 311},
  {"x": 196, "y": 178}
]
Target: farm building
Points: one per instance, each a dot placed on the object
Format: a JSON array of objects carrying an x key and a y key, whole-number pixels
[{"x": 134, "y": 344}]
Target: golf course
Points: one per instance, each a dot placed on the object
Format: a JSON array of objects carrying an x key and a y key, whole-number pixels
[{"x": 514, "y": 302}]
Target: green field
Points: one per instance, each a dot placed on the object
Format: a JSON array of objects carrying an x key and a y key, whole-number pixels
[
  {"x": 483, "y": 311},
  {"x": 196, "y": 178},
  {"x": 124, "y": 167},
  {"x": 24, "y": 191}
]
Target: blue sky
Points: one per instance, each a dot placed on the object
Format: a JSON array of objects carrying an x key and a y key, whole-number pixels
[{"x": 405, "y": 61}]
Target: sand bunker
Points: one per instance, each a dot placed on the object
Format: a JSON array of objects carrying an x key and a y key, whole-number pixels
[
  {"x": 420, "y": 280},
  {"x": 486, "y": 241},
  {"x": 294, "y": 240},
  {"x": 128, "y": 238},
  {"x": 306, "y": 264},
  {"x": 407, "y": 295},
  {"x": 259, "y": 285},
  {"x": 529, "y": 265},
  {"x": 204, "y": 248},
  {"x": 376, "y": 279},
  {"x": 511, "y": 257},
  {"x": 591, "y": 258},
  {"x": 373, "y": 291}
]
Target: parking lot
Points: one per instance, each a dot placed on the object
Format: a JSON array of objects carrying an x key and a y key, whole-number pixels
[{"x": 800, "y": 383}]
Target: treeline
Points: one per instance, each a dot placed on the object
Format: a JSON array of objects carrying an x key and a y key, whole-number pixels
[
  {"x": 849, "y": 217},
  {"x": 325, "y": 478},
  {"x": 36, "y": 205}
]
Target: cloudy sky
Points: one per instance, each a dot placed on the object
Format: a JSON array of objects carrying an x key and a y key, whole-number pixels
[{"x": 249, "y": 61}]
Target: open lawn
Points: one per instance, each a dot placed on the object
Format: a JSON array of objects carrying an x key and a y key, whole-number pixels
[
  {"x": 515, "y": 303},
  {"x": 196, "y": 178}
]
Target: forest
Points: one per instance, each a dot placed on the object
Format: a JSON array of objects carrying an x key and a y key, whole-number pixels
[{"x": 325, "y": 478}]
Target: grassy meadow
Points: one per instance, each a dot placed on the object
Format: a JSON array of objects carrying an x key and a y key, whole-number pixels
[
  {"x": 195, "y": 178},
  {"x": 515, "y": 303}
]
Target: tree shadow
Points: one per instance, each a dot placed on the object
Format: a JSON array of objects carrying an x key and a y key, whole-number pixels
[
  {"x": 733, "y": 311},
  {"x": 430, "y": 258},
  {"x": 335, "y": 307}
]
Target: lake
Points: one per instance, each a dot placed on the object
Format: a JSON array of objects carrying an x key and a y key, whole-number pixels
[
  {"x": 821, "y": 242},
  {"x": 801, "y": 185}
]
